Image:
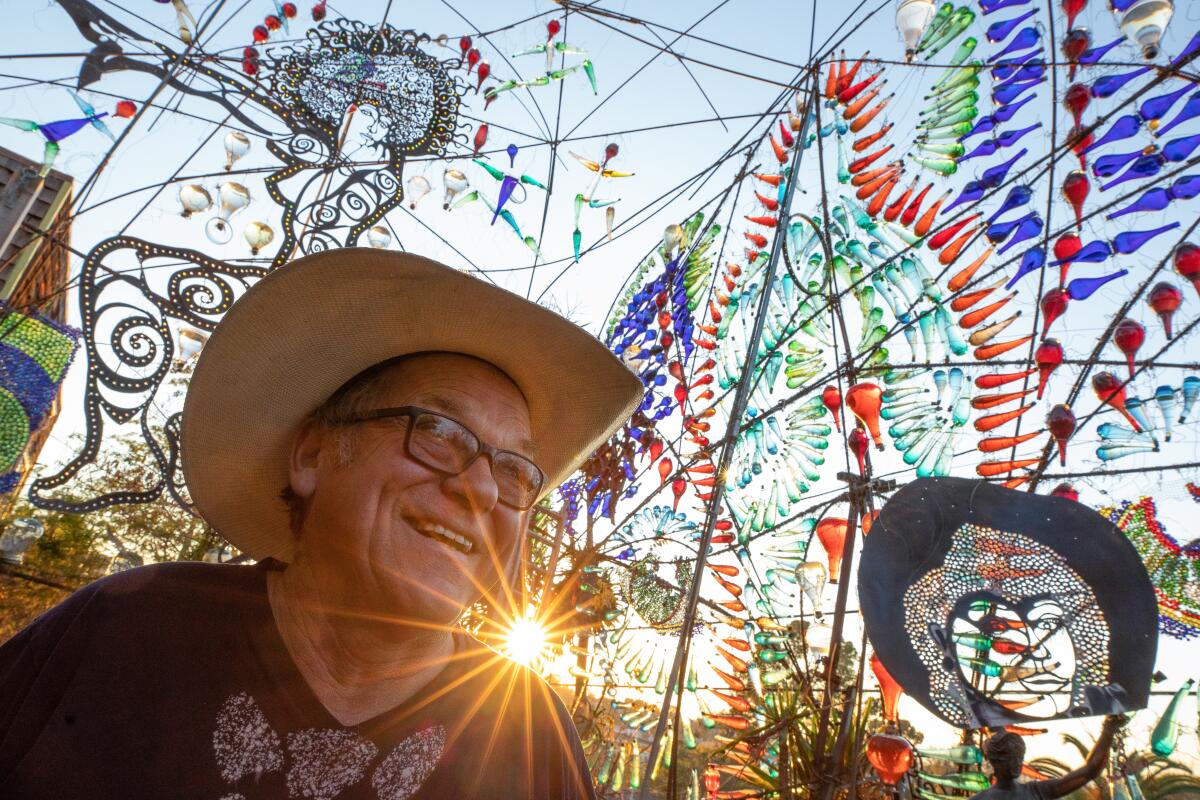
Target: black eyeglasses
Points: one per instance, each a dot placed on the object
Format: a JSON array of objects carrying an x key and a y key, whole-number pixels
[{"x": 447, "y": 446}]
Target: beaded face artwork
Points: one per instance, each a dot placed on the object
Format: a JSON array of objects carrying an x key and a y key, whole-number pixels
[{"x": 1005, "y": 621}]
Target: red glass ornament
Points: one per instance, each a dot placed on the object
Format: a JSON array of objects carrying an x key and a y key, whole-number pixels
[
  {"x": 483, "y": 72},
  {"x": 1110, "y": 391},
  {"x": 1080, "y": 138},
  {"x": 318, "y": 11},
  {"x": 832, "y": 398},
  {"x": 1075, "y": 44},
  {"x": 125, "y": 109},
  {"x": 473, "y": 57},
  {"x": 1165, "y": 298},
  {"x": 289, "y": 10},
  {"x": 250, "y": 53},
  {"x": 891, "y": 756},
  {"x": 260, "y": 34},
  {"x": 678, "y": 487},
  {"x": 464, "y": 44},
  {"x": 864, "y": 401},
  {"x": 664, "y": 469},
  {"x": 1065, "y": 490},
  {"x": 712, "y": 780},
  {"x": 1187, "y": 263},
  {"x": 1075, "y": 188},
  {"x": 1061, "y": 424},
  {"x": 1128, "y": 336},
  {"x": 1065, "y": 248},
  {"x": 859, "y": 443},
  {"x": 832, "y": 533},
  {"x": 1053, "y": 303},
  {"x": 1077, "y": 98},
  {"x": 1048, "y": 356},
  {"x": 552, "y": 29},
  {"x": 610, "y": 151},
  {"x": 1072, "y": 8},
  {"x": 273, "y": 22},
  {"x": 888, "y": 687},
  {"x": 250, "y": 66},
  {"x": 481, "y": 135}
]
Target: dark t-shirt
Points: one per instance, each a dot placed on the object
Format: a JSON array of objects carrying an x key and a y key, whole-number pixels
[{"x": 172, "y": 681}]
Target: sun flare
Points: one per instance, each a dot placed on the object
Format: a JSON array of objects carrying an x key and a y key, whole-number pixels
[{"x": 526, "y": 641}]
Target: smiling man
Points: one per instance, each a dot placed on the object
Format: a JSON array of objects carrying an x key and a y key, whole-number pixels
[{"x": 375, "y": 428}]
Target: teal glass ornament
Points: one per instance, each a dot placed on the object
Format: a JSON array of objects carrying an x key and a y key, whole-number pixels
[{"x": 1165, "y": 736}]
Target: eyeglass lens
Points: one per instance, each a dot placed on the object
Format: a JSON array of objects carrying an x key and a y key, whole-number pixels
[{"x": 446, "y": 445}]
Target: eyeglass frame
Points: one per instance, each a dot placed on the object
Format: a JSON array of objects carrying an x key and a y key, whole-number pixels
[{"x": 481, "y": 447}]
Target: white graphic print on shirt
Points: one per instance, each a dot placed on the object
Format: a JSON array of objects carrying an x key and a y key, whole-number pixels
[{"x": 321, "y": 763}]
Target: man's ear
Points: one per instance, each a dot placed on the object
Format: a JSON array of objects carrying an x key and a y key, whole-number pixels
[{"x": 305, "y": 458}]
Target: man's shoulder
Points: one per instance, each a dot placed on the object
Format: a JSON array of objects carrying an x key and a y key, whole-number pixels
[
  {"x": 153, "y": 593},
  {"x": 177, "y": 576}
]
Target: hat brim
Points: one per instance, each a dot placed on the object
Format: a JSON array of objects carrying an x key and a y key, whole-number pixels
[{"x": 302, "y": 331}]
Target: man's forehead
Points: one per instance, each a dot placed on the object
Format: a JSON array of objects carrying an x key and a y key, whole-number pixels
[{"x": 458, "y": 393}]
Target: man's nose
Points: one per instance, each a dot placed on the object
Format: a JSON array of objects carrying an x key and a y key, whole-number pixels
[{"x": 475, "y": 486}]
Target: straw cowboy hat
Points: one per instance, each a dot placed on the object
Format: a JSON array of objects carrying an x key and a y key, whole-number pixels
[{"x": 304, "y": 330}]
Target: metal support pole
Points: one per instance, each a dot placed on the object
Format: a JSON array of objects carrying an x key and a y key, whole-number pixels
[{"x": 740, "y": 401}]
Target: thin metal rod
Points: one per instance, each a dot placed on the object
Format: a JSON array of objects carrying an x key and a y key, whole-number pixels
[{"x": 740, "y": 400}]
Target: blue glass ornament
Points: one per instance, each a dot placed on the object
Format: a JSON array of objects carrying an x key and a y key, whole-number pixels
[
  {"x": 1157, "y": 107},
  {"x": 1006, "y": 139},
  {"x": 1153, "y": 200},
  {"x": 999, "y": 31},
  {"x": 1090, "y": 253},
  {"x": 1190, "y": 110},
  {"x": 1033, "y": 260},
  {"x": 1144, "y": 167},
  {"x": 992, "y": 6},
  {"x": 1003, "y": 70},
  {"x": 1025, "y": 231},
  {"x": 1025, "y": 39},
  {"x": 1128, "y": 242},
  {"x": 512, "y": 154},
  {"x": 1002, "y": 114},
  {"x": 1122, "y": 128},
  {"x": 994, "y": 176},
  {"x": 1180, "y": 149},
  {"x": 999, "y": 231},
  {"x": 1093, "y": 54},
  {"x": 1185, "y": 187},
  {"x": 969, "y": 194},
  {"x": 1191, "y": 391},
  {"x": 1083, "y": 288},
  {"x": 1018, "y": 196},
  {"x": 1009, "y": 92},
  {"x": 1192, "y": 46},
  {"x": 1107, "y": 166},
  {"x": 1006, "y": 113},
  {"x": 1111, "y": 84}
]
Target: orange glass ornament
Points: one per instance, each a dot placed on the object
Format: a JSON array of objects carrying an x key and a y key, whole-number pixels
[
  {"x": 891, "y": 756},
  {"x": 888, "y": 687},
  {"x": 832, "y": 533},
  {"x": 864, "y": 401}
]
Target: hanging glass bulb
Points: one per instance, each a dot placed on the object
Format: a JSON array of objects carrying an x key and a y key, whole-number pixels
[
  {"x": 19, "y": 536},
  {"x": 1165, "y": 735},
  {"x": 890, "y": 755},
  {"x": 258, "y": 235},
  {"x": 912, "y": 18},
  {"x": 418, "y": 187},
  {"x": 194, "y": 198},
  {"x": 811, "y": 577},
  {"x": 819, "y": 637},
  {"x": 237, "y": 144},
  {"x": 456, "y": 183},
  {"x": 888, "y": 687},
  {"x": 379, "y": 237},
  {"x": 191, "y": 342},
  {"x": 832, "y": 533},
  {"x": 233, "y": 198},
  {"x": 864, "y": 401},
  {"x": 1144, "y": 22}
]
